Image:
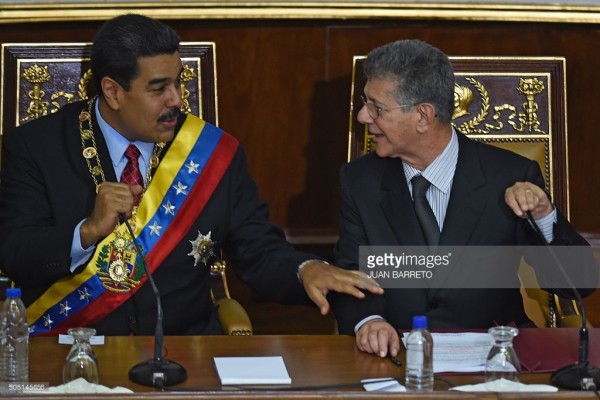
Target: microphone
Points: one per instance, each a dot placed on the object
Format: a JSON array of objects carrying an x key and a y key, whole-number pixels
[
  {"x": 582, "y": 375},
  {"x": 158, "y": 372}
]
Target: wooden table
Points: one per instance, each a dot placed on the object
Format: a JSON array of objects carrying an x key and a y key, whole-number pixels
[{"x": 311, "y": 360}]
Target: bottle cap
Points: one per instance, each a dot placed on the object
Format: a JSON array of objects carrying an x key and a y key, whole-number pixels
[
  {"x": 13, "y": 292},
  {"x": 420, "y": 322}
]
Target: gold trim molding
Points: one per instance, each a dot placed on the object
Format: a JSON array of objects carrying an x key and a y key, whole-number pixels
[{"x": 17, "y": 12}]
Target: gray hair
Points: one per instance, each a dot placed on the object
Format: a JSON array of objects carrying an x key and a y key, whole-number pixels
[{"x": 423, "y": 74}]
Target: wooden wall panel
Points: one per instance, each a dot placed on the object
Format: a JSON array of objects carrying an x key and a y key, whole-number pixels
[{"x": 284, "y": 88}]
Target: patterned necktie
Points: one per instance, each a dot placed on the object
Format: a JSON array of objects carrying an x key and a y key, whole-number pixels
[
  {"x": 425, "y": 215},
  {"x": 132, "y": 174}
]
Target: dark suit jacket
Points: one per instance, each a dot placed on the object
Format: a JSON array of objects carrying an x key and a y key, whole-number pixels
[
  {"x": 46, "y": 190},
  {"x": 377, "y": 210}
]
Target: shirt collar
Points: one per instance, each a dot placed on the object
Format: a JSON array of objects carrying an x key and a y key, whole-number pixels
[
  {"x": 117, "y": 143},
  {"x": 441, "y": 171}
]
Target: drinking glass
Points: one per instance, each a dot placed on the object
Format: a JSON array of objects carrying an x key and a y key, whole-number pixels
[
  {"x": 502, "y": 360},
  {"x": 81, "y": 360}
]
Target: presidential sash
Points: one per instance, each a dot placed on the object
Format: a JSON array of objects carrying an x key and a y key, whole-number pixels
[{"x": 183, "y": 183}]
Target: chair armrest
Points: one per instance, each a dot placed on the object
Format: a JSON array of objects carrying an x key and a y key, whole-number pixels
[
  {"x": 568, "y": 313},
  {"x": 571, "y": 321},
  {"x": 233, "y": 318}
]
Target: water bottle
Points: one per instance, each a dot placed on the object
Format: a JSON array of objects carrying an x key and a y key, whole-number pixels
[
  {"x": 419, "y": 356},
  {"x": 14, "y": 339}
]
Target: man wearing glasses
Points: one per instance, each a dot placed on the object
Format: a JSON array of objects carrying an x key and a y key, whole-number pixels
[{"x": 428, "y": 185}]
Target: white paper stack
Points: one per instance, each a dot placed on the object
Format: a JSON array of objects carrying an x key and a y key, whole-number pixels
[
  {"x": 252, "y": 370},
  {"x": 459, "y": 352}
]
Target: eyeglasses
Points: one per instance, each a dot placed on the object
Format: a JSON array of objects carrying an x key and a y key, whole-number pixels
[{"x": 375, "y": 111}]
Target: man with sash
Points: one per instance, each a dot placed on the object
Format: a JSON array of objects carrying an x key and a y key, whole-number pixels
[{"x": 70, "y": 180}]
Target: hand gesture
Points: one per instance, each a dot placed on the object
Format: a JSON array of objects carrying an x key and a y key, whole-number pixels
[
  {"x": 112, "y": 200},
  {"x": 319, "y": 279},
  {"x": 525, "y": 196},
  {"x": 377, "y": 336}
]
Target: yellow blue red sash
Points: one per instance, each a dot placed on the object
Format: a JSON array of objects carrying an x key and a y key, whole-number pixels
[{"x": 183, "y": 183}]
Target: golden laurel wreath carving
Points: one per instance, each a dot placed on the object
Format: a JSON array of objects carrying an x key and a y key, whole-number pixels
[
  {"x": 83, "y": 84},
  {"x": 461, "y": 106}
]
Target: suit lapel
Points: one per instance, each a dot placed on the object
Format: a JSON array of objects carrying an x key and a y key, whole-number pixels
[
  {"x": 466, "y": 205},
  {"x": 464, "y": 208},
  {"x": 107, "y": 165},
  {"x": 397, "y": 206}
]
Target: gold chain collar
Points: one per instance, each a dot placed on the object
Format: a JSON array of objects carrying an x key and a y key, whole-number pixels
[{"x": 90, "y": 151}]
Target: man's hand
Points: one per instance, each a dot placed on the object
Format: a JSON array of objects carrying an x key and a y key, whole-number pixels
[
  {"x": 525, "y": 196},
  {"x": 112, "y": 200},
  {"x": 319, "y": 279},
  {"x": 377, "y": 336}
]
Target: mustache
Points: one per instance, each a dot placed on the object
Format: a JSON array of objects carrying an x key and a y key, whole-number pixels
[{"x": 172, "y": 113}]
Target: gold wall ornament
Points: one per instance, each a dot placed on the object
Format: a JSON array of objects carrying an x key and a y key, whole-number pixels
[
  {"x": 36, "y": 75},
  {"x": 530, "y": 87},
  {"x": 41, "y": 78},
  {"x": 461, "y": 106},
  {"x": 504, "y": 114},
  {"x": 83, "y": 84},
  {"x": 463, "y": 97},
  {"x": 187, "y": 75},
  {"x": 58, "y": 95}
]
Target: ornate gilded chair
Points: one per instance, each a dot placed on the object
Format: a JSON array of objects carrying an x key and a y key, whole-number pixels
[
  {"x": 517, "y": 103},
  {"x": 38, "y": 79}
]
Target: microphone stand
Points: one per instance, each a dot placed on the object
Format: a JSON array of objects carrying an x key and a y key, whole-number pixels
[
  {"x": 582, "y": 375},
  {"x": 158, "y": 372}
]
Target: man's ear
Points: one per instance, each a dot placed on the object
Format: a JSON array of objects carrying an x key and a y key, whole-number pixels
[
  {"x": 110, "y": 89},
  {"x": 427, "y": 115}
]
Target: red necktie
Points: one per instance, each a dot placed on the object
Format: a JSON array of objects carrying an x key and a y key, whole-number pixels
[{"x": 131, "y": 174}]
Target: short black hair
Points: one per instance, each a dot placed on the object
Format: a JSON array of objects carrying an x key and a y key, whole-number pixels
[{"x": 122, "y": 40}]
